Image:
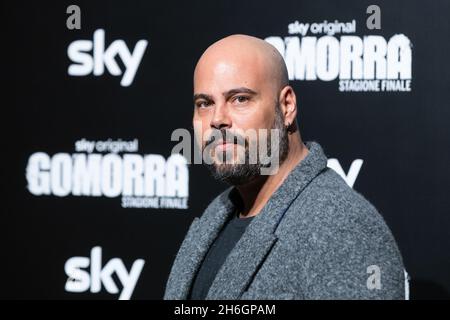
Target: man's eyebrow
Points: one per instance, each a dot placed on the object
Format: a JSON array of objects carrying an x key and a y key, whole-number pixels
[
  {"x": 204, "y": 96},
  {"x": 226, "y": 94},
  {"x": 232, "y": 92}
]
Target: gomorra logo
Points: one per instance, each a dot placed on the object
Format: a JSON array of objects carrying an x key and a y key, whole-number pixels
[
  {"x": 143, "y": 181},
  {"x": 368, "y": 63}
]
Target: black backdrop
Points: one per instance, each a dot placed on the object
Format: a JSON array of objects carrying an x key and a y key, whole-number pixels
[{"x": 403, "y": 137}]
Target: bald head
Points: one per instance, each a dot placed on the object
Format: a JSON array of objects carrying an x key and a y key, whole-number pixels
[{"x": 250, "y": 56}]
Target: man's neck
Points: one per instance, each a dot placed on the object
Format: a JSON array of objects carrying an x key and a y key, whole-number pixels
[{"x": 256, "y": 193}]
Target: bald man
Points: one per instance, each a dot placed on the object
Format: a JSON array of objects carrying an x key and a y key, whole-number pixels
[{"x": 288, "y": 227}]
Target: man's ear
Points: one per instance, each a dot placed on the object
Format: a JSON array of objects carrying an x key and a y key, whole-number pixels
[{"x": 288, "y": 105}]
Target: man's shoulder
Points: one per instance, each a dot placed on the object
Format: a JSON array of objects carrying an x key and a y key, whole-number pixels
[
  {"x": 329, "y": 194},
  {"x": 329, "y": 206},
  {"x": 331, "y": 226},
  {"x": 218, "y": 203}
]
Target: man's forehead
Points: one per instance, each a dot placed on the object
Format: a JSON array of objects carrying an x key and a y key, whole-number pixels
[
  {"x": 239, "y": 61},
  {"x": 224, "y": 75}
]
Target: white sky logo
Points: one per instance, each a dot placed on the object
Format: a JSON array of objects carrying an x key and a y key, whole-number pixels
[
  {"x": 85, "y": 63},
  {"x": 80, "y": 280}
]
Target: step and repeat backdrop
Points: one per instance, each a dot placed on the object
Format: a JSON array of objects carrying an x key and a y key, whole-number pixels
[{"x": 96, "y": 203}]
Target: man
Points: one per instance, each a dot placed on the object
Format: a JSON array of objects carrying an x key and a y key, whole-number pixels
[{"x": 297, "y": 233}]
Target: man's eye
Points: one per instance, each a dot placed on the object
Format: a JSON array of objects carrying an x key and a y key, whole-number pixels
[
  {"x": 202, "y": 104},
  {"x": 241, "y": 99}
]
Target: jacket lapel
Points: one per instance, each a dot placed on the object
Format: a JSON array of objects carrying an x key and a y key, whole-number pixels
[{"x": 199, "y": 238}]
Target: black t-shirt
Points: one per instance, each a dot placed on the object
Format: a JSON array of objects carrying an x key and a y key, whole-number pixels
[{"x": 217, "y": 253}]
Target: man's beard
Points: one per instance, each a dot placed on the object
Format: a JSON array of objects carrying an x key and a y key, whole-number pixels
[{"x": 242, "y": 173}]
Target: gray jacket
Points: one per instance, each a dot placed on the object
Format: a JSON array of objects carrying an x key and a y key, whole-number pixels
[{"x": 316, "y": 238}]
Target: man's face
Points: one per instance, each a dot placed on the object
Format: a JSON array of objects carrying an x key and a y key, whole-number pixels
[{"x": 232, "y": 96}]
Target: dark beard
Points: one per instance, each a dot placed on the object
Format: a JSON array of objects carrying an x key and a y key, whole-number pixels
[{"x": 242, "y": 173}]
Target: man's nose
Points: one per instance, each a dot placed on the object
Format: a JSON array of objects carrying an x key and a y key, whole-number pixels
[{"x": 220, "y": 117}]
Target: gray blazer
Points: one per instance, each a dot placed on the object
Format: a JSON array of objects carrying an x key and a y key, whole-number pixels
[{"x": 316, "y": 238}]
